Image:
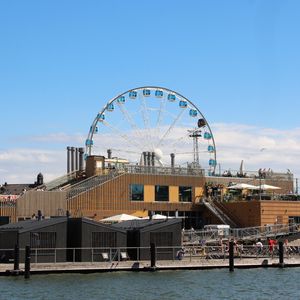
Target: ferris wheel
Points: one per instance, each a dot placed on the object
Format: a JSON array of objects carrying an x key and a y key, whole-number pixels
[{"x": 153, "y": 120}]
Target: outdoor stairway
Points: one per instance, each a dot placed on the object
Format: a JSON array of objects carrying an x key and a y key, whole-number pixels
[
  {"x": 89, "y": 183},
  {"x": 59, "y": 182},
  {"x": 224, "y": 218}
]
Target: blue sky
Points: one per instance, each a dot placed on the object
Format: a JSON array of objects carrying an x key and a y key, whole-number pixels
[{"x": 61, "y": 61}]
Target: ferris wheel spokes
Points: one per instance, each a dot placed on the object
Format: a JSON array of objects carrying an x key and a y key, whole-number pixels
[
  {"x": 124, "y": 136},
  {"x": 145, "y": 115},
  {"x": 170, "y": 127},
  {"x": 131, "y": 121},
  {"x": 160, "y": 112}
]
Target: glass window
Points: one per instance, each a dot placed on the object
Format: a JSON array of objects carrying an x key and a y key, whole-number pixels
[
  {"x": 161, "y": 193},
  {"x": 42, "y": 239},
  {"x": 136, "y": 192},
  {"x": 185, "y": 194},
  {"x": 104, "y": 239}
]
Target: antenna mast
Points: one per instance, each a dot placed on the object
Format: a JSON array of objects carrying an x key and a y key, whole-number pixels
[{"x": 195, "y": 134}]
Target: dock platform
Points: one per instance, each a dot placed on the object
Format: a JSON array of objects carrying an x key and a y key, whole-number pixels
[{"x": 69, "y": 267}]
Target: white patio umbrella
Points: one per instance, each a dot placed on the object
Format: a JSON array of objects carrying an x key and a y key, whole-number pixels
[
  {"x": 119, "y": 218},
  {"x": 243, "y": 186},
  {"x": 158, "y": 217},
  {"x": 268, "y": 187}
]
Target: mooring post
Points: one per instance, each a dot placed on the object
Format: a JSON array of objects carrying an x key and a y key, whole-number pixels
[
  {"x": 231, "y": 256},
  {"x": 153, "y": 255},
  {"x": 281, "y": 255},
  {"x": 16, "y": 257},
  {"x": 27, "y": 262}
]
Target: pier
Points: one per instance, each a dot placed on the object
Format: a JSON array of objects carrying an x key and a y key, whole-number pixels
[{"x": 208, "y": 257}]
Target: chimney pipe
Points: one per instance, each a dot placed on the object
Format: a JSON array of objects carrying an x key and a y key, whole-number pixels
[
  {"x": 81, "y": 151},
  {"x": 68, "y": 159},
  {"x": 145, "y": 158},
  {"x": 109, "y": 156},
  {"x": 109, "y": 153},
  {"x": 172, "y": 160},
  {"x": 152, "y": 159},
  {"x": 72, "y": 158},
  {"x": 76, "y": 159},
  {"x": 148, "y": 158}
]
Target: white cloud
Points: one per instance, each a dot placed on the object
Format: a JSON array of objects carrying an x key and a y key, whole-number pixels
[
  {"x": 22, "y": 165},
  {"x": 258, "y": 147}
]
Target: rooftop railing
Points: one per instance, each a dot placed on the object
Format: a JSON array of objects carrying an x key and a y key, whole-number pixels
[{"x": 157, "y": 170}]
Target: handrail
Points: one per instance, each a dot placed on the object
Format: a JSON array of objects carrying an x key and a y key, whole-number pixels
[
  {"x": 249, "y": 233},
  {"x": 185, "y": 253},
  {"x": 91, "y": 183},
  {"x": 219, "y": 213}
]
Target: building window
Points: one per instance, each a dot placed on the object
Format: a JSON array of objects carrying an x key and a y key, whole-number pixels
[
  {"x": 185, "y": 194},
  {"x": 136, "y": 192},
  {"x": 43, "y": 239},
  {"x": 161, "y": 239},
  {"x": 294, "y": 219},
  {"x": 161, "y": 193},
  {"x": 104, "y": 239}
]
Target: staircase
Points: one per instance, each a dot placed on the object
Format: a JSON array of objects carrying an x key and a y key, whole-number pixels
[
  {"x": 90, "y": 183},
  {"x": 224, "y": 218},
  {"x": 59, "y": 182}
]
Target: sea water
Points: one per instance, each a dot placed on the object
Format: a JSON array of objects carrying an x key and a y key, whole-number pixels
[{"x": 197, "y": 284}]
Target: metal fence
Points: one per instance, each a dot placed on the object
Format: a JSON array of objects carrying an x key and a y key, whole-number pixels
[
  {"x": 249, "y": 233},
  {"x": 185, "y": 254}
]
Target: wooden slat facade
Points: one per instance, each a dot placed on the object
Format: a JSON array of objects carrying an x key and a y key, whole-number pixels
[
  {"x": 113, "y": 197},
  {"x": 260, "y": 213},
  {"x": 49, "y": 203}
]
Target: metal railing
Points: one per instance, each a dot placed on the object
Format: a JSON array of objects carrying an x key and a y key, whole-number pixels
[
  {"x": 219, "y": 213},
  {"x": 193, "y": 253},
  {"x": 266, "y": 231},
  {"x": 156, "y": 170},
  {"x": 60, "y": 181},
  {"x": 249, "y": 233},
  {"x": 90, "y": 183}
]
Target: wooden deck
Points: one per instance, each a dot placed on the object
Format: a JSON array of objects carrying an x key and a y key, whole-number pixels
[{"x": 50, "y": 268}]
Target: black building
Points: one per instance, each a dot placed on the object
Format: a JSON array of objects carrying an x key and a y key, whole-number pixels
[
  {"x": 43, "y": 236},
  {"x": 165, "y": 234},
  {"x": 101, "y": 241}
]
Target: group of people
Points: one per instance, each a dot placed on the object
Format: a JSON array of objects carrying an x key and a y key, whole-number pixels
[
  {"x": 263, "y": 173},
  {"x": 213, "y": 189},
  {"x": 272, "y": 246}
]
